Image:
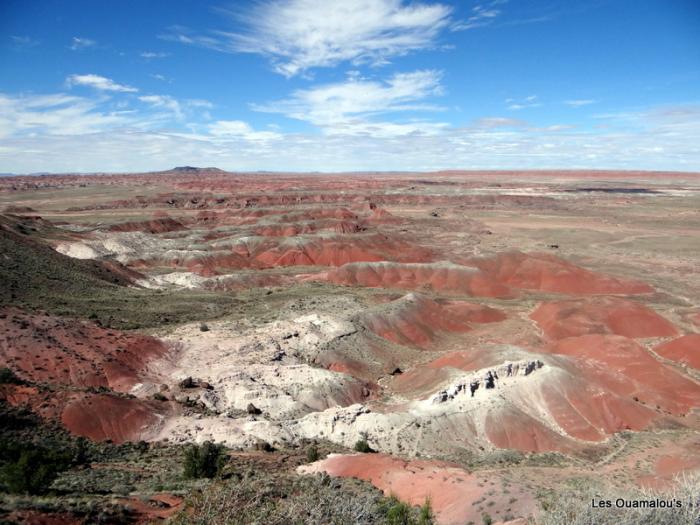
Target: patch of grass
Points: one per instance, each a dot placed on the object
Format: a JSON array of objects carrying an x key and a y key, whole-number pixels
[
  {"x": 573, "y": 506},
  {"x": 261, "y": 496},
  {"x": 426, "y": 516}
]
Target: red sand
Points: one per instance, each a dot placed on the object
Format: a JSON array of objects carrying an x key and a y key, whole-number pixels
[
  {"x": 101, "y": 417},
  {"x": 98, "y": 416},
  {"x": 52, "y": 349},
  {"x": 511, "y": 428},
  {"x": 604, "y": 315},
  {"x": 670, "y": 466},
  {"x": 156, "y": 225},
  {"x": 685, "y": 349},
  {"x": 273, "y": 252},
  {"x": 451, "y": 489},
  {"x": 417, "y": 320},
  {"x": 156, "y": 508},
  {"x": 546, "y": 273},
  {"x": 589, "y": 412},
  {"x": 451, "y": 279},
  {"x": 494, "y": 277},
  {"x": 623, "y": 367}
]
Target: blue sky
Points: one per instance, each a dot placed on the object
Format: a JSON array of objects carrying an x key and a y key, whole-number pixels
[{"x": 336, "y": 85}]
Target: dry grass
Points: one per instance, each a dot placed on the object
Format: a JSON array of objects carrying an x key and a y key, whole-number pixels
[{"x": 575, "y": 507}]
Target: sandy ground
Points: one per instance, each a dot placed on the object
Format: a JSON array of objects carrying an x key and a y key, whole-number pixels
[{"x": 441, "y": 317}]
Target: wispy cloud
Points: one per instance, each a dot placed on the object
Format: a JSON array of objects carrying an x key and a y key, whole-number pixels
[
  {"x": 177, "y": 108},
  {"x": 527, "y": 102},
  {"x": 239, "y": 128},
  {"x": 297, "y": 35},
  {"x": 481, "y": 15},
  {"x": 59, "y": 114},
  {"x": 149, "y": 55},
  {"x": 100, "y": 83},
  {"x": 23, "y": 41},
  {"x": 78, "y": 43},
  {"x": 163, "y": 101},
  {"x": 160, "y": 77},
  {"x": 350, "y": 107},
  {"x": 41, "y": 133},
  {"x": 498, "y": 122},
  {"x": 577, "y": 103}
]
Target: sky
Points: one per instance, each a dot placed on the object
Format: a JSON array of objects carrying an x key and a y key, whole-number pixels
[{"x": 349, "y": 85}]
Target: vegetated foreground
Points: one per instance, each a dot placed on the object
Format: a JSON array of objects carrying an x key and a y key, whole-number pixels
[{"x": 486, "y": 345}]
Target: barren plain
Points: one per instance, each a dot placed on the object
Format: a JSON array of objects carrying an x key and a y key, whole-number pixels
[{"x": 496, "y": 338}]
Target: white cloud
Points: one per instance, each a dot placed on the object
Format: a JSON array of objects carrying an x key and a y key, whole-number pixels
[
  {"x": 160, "y": 77},
  {"x": 199, "y": 103},
  {"x": 164, "y": 101},
  {"x": 297, "y": 35},
  {"x": 349, "y": 107},
  {"x": 40, "y": 115},
  {"x": 178, "y": 109},
  {"x": 78, "y": 43},
  {"x": 99, "y": 83},
  {"x": 499, "y": 122},
  {"x": 241, "y": 129},
  {"x": 527, "y": 102},
  {"x": 24, "y": 41},
  {"x": 482, "y": 15},
  {"x": 666, "y": 141},
  {"x": 62, "y": 132},
  {"x": 577, "y": 103},
  {"x": 152, "y": 54}
]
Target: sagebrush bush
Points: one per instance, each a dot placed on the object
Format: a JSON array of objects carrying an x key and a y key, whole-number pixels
[
  {"x": 398, "y": 512},
  {"x": 281, "y": 498},
  {"x": 204, "y": 461},
  {"x": 312, "y": 454},
  {"x": 362, "y": 446}
]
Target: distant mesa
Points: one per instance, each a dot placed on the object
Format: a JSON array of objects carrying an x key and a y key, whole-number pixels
[{"x": 193, "y": 169}]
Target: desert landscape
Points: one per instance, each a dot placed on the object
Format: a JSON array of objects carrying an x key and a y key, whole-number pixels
[{"x": 477, "y": 346}]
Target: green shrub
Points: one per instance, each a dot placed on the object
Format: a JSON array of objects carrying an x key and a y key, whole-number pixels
[
  {"x": 28, "y": 470},
  {"x": 363, "y": 446},
  {"x": 312, "y": 454},
  {"x": 486, "y": 518},
  {"x": 8, "y": 377},
  {"x": 204, "y": 461},
  {"x": 398, "y": 512},
  {"x": 426, "y": 513}
]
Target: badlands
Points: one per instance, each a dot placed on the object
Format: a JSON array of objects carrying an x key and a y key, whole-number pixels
[{"x": 493, "y": 340}]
